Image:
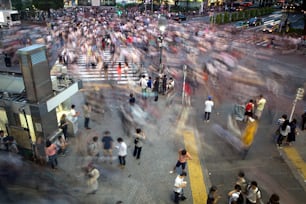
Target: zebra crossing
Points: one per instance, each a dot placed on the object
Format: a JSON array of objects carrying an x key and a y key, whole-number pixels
[{"x": 91, "y": 73}]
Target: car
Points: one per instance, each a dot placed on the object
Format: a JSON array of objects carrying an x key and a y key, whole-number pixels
[
  {"x": 255, "y": 21},
  {"x": 179, "y": 17},
  {"x": 270, "y": 28},
  {"x": 241, "y": 25}
]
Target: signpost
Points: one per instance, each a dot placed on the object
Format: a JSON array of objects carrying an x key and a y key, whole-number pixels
[{"x": 299, "y": 96}]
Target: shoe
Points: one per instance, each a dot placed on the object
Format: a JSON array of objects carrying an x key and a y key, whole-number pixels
[
  {"x": 171, "y": 172},
  {"x": 207, "y": 121}
]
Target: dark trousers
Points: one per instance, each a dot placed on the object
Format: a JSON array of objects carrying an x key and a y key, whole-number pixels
[
  {"x": 53, "y": 161},
  {"x": 178, "y": 197},
  {"x": 137, "y": 151},
  {"x": 86, "y": 123},
  {"x": 65, "y": 132},
  {"x": 206, "y": 115},
  {"x": 121, "y": 160},
  {"x": 280, "y": 139}
]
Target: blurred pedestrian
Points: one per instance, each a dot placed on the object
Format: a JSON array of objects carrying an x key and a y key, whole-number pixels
[
  {"x": 213, "y": 196},
  {"x": 156, "y": 88},
  {"x": 249, "y": 110},
  {"x": 293, "y": 132},
  {"x": 132, "y": 99},
  {"x": 51, "y": 153},
  {"x": 303, "y": 121},
  {"x": 92, "y": 181},
  {"x": 107, "y": 142},
  {"x": 253, "y": 194},
  {"x": 241, "y": 181},
  {"x": 64, "y": 125},
  {"x": 274, "y": 199},
  {"x": 283, "y": 133},
  {"x": 183, "y": 156},
  {"x": 93, "y": 147},
  {"x": 179, "y": 185},
  {"x": 164, "y": 85},
  {"x": 12, "y": 145},
  {"x": 119, "y": 71},
  {"x": 187, "y": 94},
  {"x": 40, "y": 153},
  {"x": 261, "y": 102},
  {"x": 143, "y": 83},
  {"x": 73, "y": 112},
  {"x": 208, "y": 108},
  {"x": 122, "y": 152},
  {"x": 87, "y": 112},
  {"x": 3, "y": 144},
  {"x": 138, "y": 141},
  {"x": 61, "y": 145},
  {"x": 235, "y": 196}
]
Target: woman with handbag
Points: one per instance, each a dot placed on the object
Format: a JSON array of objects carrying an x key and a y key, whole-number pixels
[{"x": 138, "y": 141}]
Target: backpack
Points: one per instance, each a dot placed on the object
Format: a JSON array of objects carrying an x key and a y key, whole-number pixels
[{"x": 240, "y": 199}]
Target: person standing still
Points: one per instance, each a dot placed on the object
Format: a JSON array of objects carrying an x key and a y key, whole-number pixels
[
  {"x": 51, "y": 153},
  {"x": 260, "y": 106},
  {"x": 122, "y": 152},
  {"x": 208, "y": 108},
  {"x": 213, "y": 196},
  {"x": 183, "y": 156},
  {"x": 107, "y": 141},
  {"x": 138, "y": 141},
  {"x": 179, "y": 184},
  {"x": 87, "y": 112},
  {"x": 155, "y": 88},
  {"x": 64, "y": 125}
]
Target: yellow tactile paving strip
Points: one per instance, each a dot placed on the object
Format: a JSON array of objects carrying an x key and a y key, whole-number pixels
[
  {"x": 197, "y": 182},
  {"x": 296, "y": 160}
]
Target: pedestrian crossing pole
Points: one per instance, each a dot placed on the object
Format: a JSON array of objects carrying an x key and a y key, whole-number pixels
[
  {"x": 184, "y": 82},
  {"x": 299, "y": 96}
]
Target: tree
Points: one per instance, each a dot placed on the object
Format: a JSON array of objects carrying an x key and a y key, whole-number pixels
[{"x": 46, "y": 5}]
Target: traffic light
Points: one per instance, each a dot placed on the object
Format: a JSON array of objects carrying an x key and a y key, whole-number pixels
[{"x": 300, "y": 94}]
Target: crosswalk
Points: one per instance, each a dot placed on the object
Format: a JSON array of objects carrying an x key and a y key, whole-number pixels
[{"x": 92, "y": 73}]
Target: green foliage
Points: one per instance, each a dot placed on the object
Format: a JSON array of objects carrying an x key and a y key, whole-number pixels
[
  {"x": 21, "y": 4},
  {"x": 45, "y": 5},
  {"x": 219, "y": 18},
  {"x": 226, "y": 17}
]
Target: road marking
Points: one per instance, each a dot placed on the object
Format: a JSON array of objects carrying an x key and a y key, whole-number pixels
[
  {"x": 297, "y": 160},
  {"x": 197, "y": 182}
]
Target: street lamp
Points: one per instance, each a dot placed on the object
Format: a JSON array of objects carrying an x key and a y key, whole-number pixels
[{"x": 162, "y": 25}]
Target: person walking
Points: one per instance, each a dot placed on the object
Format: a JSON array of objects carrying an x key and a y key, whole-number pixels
[
  {"x": 235, "y": 196},
  {"x": 179, "y": 185},
  {"x": 253, "y": 194},
  {"x": 183, "y": 156},
  {"x": 138, "y": 141},
  {"x": 164, "y": 85},
  {"x": 52, "y": 154},
  {"x": 143, "y": 83},
  {"x": 213, "y": 197},
  {"x": 249, "y": 110},
  {"x": 87, "y": 112},
  {"x": 107, "y": 142},
  {"x": 274, "y": 199},
  {"x": 156, "y": 88},
  {"x": 93, "y": 176},
  {"x": 122, "y": 152},
  {"x": 93, "y": 147},
  {"x": 293, "y": 132},
  {"x": 261, "y": 102},
  {"x": 283, "y": 133},
  {"x": 208, "y": 108}
]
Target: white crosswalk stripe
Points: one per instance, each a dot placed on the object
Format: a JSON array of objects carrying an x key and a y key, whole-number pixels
[{"x": 89, "y": 73}]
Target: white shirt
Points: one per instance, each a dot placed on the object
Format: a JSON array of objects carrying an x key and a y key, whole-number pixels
[
  {"x": 178, "y": 182},
  {"x": 234, "y": 197},
  {"x": 122, "y": 149},
  {"x": 143, "y": 83},
  {"x": 208, "y": 105}
]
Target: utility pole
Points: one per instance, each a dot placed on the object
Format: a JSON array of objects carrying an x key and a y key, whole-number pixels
[
  {"x": 299, "y": 96},
  {"x": 184, "y": 82}
]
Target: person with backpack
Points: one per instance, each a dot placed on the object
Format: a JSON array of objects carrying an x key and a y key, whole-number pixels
[
  {"x": 241, "y": 181},
  {"x": 249, "y": 110},
  {"x": 235, "y": 196},
  {"x": 253, "y": 194}
]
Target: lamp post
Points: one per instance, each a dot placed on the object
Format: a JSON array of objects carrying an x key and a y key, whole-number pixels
[
  {"x": 162, "y": 25},
  {"x": 299, "y": 96}
]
